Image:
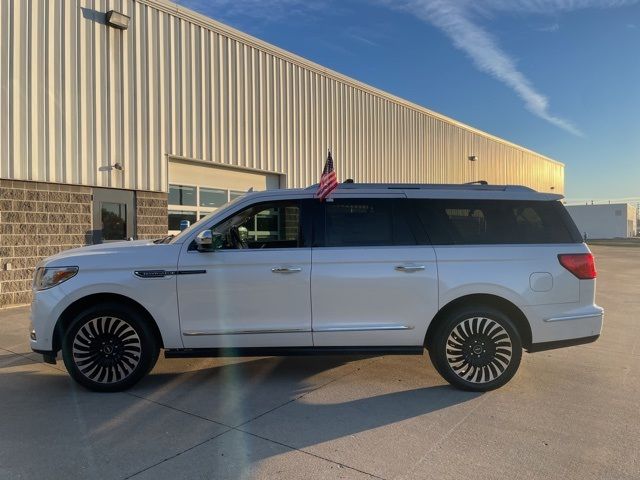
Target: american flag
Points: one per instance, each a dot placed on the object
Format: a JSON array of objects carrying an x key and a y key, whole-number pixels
[{"x": 328, "y": 180}]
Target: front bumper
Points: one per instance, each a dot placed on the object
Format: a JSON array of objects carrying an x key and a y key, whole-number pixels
[
  {"x": 49, "y": 356},
  {"x": 46, "y": 308}
]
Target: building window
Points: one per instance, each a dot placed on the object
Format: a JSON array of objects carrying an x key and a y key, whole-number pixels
[
  {"x": 114, "y": 221},
  {"x": 176, "y": 216},
  {"x": 193, "y": 202},
  {"x": 182, "y": 195},
  {"x": 233, "y": 194},
  {"x": 213, "y": 197}
]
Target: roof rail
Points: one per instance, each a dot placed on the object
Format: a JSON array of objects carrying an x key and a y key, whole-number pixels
[
  {"x": 477, "y": 185},
  {"x": 477, "y": 182}
]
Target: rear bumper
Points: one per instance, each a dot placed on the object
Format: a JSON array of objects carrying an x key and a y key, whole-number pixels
[
  {"x": 557, "y": 323},
  {"x": 541, "y": 347}
]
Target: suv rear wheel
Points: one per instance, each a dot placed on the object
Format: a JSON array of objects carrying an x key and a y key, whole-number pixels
[
  {"x": 109, "y": 347},
  {"x": 476, "y": 349}
]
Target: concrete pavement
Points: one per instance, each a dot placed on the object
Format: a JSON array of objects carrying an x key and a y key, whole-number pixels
[{"x": 571, "y": 413}]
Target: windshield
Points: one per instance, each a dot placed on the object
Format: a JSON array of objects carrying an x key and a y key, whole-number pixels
[{"x": 204, "y": 220}]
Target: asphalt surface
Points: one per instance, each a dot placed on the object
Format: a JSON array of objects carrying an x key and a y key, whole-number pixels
[{"x": 568, "y": 414}]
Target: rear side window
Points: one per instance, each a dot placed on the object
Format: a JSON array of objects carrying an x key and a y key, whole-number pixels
[
  {"x": 480, "y": 222},
  {"x": 365, "y": 222}
]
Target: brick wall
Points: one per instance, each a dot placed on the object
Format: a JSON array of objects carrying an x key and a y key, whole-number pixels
[
  {"x": 151, "y": 213},
  {"x": 37, "y": 220}
]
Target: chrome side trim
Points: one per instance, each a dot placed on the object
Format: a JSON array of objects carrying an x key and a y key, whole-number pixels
[
  {"x": 198, "y": 333},
  {"x": 574, "y": 317},
  {"x": 363, "y": 328},
  {"x": 165, "y": 273}
]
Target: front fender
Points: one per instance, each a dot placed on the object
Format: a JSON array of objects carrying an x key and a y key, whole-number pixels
[{"x": 156, "y": 295}]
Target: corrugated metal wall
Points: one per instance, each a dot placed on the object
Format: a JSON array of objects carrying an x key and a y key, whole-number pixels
[{"x": 78, "y": 96}]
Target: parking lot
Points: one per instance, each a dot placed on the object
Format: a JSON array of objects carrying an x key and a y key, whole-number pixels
[{"x": 572, "y": 413}]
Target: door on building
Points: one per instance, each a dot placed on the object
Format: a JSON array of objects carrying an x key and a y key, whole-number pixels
[{"x": 113, "y": 215}]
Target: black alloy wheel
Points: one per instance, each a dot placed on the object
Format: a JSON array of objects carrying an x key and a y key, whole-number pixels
[
  {"x": 476, "y": 349},
  {"x": 109, "y": 348}
]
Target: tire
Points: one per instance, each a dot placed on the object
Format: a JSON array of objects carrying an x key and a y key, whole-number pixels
[
  {"x": 109, "y": 347},
  {"x": 476, "y": 349}
]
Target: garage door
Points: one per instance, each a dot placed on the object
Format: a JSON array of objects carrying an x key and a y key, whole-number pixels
[{"x": 197, "y": 189}]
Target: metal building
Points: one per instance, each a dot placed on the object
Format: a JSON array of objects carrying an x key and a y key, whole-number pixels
[
  {"x": 109, "y": 120},
  {"x": 613, "y": 220}
]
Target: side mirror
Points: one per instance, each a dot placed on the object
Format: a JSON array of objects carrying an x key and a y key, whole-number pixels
[{"x": 208, "y": 241}]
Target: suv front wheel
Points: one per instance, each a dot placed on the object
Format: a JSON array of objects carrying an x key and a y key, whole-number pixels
[
  {"x": 109, "y": 347},
  {"x": 476, "y": 349}
]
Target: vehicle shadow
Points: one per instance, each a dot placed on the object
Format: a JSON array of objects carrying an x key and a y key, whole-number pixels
[
  {"x": 246, "y": 401},
  {"x": 13, "y": 360},
  {"x": 266, "y": 397}
]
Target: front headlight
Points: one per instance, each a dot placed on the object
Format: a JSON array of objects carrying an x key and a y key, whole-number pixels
[{"x": 47, "y": 277}]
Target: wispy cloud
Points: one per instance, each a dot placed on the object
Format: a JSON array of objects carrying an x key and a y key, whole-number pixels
[
  {"x": 266, "y": 10},
  {"x": 543, "y": 7},
  {"x": 461, "y": 22},
  {"x": 456, "y": 20},
  {"x": 362, "y": 39},
  {"x": 553, "y": 27}
]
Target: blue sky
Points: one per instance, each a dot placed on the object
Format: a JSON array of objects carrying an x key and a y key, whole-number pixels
[{"x": 561, "y": 77}]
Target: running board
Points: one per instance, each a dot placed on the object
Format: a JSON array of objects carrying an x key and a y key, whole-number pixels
[{"x": 290, "y": 351}]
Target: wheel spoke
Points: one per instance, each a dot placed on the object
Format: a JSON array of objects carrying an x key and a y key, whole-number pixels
[
  {"x": 116, "y": 323},
  {"x": 92, "y": 329}
]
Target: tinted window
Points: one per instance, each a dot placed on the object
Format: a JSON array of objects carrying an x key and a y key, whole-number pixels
[
  {"x": 365, "y": 222},
  {"x": 480, "y": 222},
  {"x": 266, "y": 225}
]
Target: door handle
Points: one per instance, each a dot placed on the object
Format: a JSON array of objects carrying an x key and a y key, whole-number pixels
[
  {"x": 409, "y": 268},
  {"x": 286, "y": 269}
]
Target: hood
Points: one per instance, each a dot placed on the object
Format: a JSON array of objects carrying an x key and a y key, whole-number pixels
[{"x": 72, "y": 256}]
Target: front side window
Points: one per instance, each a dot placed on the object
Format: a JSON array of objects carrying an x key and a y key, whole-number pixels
[
  {"x": 265, "y": 225},
  {"x": 365, "y": 222}
]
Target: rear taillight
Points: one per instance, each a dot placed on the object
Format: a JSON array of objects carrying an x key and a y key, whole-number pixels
[{"x": 582, "y": 265}]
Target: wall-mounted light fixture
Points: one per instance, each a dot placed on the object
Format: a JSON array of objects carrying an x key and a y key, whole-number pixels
[
  {"x": 109, "y": 168},
  {"x": 117, "y": 20},
  {"x": 472, "y": 158}
]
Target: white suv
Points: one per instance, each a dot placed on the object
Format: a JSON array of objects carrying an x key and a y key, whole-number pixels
[{"x": 472, "y": 273}]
